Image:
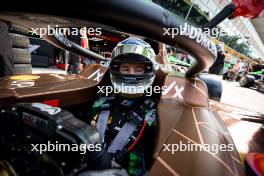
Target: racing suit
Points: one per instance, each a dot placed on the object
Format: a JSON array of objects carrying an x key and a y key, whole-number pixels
[{"x": 136, "y": 153}]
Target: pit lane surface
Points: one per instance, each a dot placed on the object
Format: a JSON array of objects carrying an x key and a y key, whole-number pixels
[{"x": 238, "y": 96}]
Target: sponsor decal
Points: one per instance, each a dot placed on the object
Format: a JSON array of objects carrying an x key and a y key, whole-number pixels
[
  {"x": 57, "y": 76},
  {"x": 150, "y": 116},
  {"x": 46, "y": 108},
  {"x": 96, "y": 75},
  {"x": 178, "y": 90},
  {"x": 22, "y": 84},
  {"x": 21, "y": 81},
  {"x": 24, "y": 77},
  {"x": 194, "y": 33},
  {"x": 63, "y": 40}
]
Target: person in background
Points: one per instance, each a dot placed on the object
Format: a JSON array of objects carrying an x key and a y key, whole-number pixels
[
  {"x": 237, "y": 69},
  {"x": 257, "y": 66},
  {"x": 217, "y": 67},
  {"x": 6, "y": 63},
  {"x": 169, "y": 51},
  {"x": 75, "y": 61},
  {"x": 183, "y": 56}
]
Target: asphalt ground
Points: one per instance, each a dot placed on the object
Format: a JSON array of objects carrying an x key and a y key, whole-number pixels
[{"x": 247, "y": 98}]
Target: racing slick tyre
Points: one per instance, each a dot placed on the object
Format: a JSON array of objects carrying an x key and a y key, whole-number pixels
[
  {"x": 214, "y": 85},
  {"x": 21, "y": 56},
  {"x": 260, "y": 87},
  {"x": 18, "y": 30},
  {"x": 247, "y": 81},
  {"x": 18, "y": 40},
  {"x": 22, "y": 68}
]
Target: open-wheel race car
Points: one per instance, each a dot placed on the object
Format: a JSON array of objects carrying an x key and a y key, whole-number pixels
[
  {"x": 37, "y": 108},
  {"x": 253, "y": 79}
]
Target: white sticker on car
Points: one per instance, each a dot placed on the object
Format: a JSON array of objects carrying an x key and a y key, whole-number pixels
[
  {"x": 178, "y": 90},
  {"x": 46, "y": 108},
  {"x": 22, "y": 84},
  {"x": 96, "y": 75}
]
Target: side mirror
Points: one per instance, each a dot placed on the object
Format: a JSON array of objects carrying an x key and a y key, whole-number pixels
[
  {"x": 248, "y": 8},
  {"x": 245, "y": 8}
]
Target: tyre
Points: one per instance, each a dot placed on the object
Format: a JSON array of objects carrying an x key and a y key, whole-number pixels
[
  {"x": 18, "y": 40},
  {"x": 214, "y": 85},
  {"x": 225, "y": 76},
  {"x": 247, "y": 81},
  {"x": 260, "y": 87},
  {"x": 21, "y": 56},
  {"x": 18, "y": 30},
  {"x": 22, "y": 68}
]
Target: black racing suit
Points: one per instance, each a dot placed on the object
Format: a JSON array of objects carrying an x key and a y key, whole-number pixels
[{"x": 135, "y": 157}]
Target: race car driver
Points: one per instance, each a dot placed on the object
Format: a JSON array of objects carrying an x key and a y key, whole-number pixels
[{"x": 126, "y": 120}]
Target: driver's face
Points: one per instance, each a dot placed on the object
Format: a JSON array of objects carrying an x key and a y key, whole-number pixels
[{"x": 132, "y": 68}]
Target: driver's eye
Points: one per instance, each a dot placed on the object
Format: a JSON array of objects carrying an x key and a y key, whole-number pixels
[
  {"x": 124, "y": 70},
  {"x": 139, "y": 70}
]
